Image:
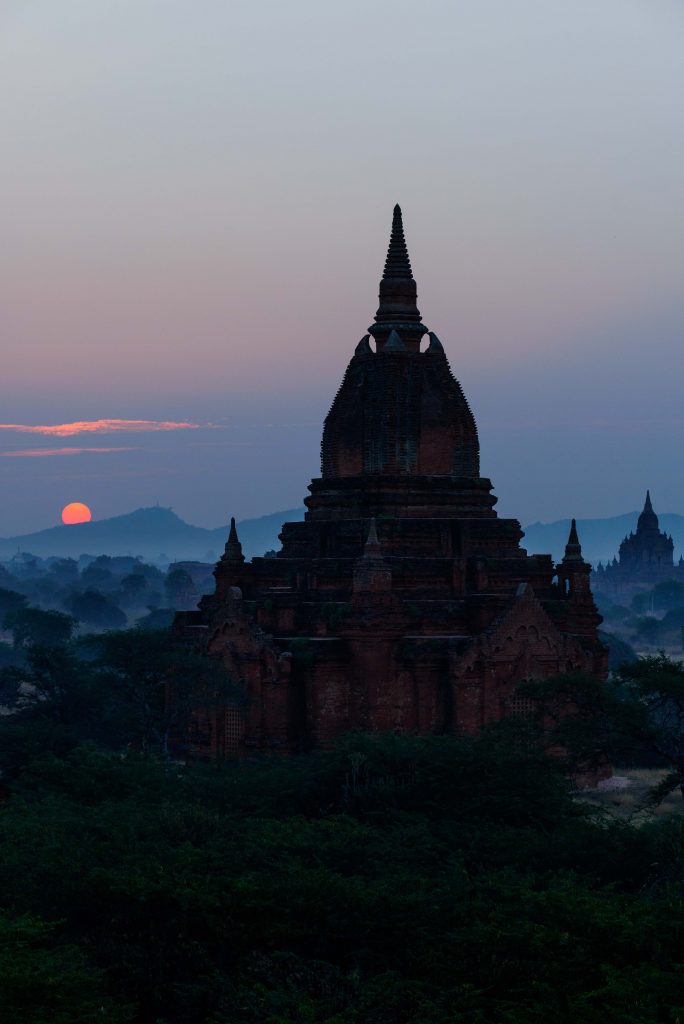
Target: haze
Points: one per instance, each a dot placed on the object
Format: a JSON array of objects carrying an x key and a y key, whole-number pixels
[{"x": 196, "y": 206}]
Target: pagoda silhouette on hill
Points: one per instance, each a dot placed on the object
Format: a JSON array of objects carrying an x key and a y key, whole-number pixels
[{"x": 402, "y": 601}]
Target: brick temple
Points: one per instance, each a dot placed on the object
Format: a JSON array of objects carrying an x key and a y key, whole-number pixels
[
  {"x": 402, "y": 601},
  {"x": 645, "y": 558}
]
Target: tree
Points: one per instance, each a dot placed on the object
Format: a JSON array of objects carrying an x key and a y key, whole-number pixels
[
  {"x": 180, "y": 589},
  {"x": 57, "y": 702},
  {"x": 638, "y": 714},
  {"x": 65, "y": 571},
  {"x": 642, "y": 602},
  {"x": 36, "y": 627},
  {"x": 619, "y": 651},
  {"x": 655, "y": 688},
  {"x": 668, "y": 594},
  {"x": 158, "y": 686},
  {"x": 157, "y": 618},
  {"x": 647, "y": 628},
  {"x": 98, "y": 576},
  {"x": 133, "y": 587},
  {"x": 44, "y": 981},
  {"x": 10, "y": 601},
  {"x": 96, "y": 609}
]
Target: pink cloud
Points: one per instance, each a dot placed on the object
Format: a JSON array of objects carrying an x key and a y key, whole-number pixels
[
  {"x": 37, "y": 453},
  {"x": 100, "y": 427}
]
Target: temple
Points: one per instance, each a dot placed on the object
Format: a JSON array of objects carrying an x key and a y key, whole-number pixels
[
  {"x": 402, "y": 601},
  {"x": 645, "y": 558}
]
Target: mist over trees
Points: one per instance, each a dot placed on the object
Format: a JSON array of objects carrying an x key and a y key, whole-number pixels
[
  {"x": 648, "y": 621},
  {"x": 97, "y": 594}
]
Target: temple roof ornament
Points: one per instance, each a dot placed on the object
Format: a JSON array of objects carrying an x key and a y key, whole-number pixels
[
  {"x": 573, "y": 549},
  {"x": 233, "y": 549},
  {"x": 398, "y": 294},
  {"x": 648, "y": 520},
  {"x": 397, "y": 263},
  {"x": 372, "y": 546}
]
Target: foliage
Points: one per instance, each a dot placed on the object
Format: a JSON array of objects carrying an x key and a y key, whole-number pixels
[
  {"x": 180, "y": 590},
  {"x": 43, "y": 981},
  {"x": 111, "y": 689},
  {"x": 647, "y": 628},
  {"x": 642, "y": 602},
  {"x": 160, "y": 683},
  {"x": 95, "y": 609},
  {"x": 65, "y": 570},
  {"x": 10, "y": 602},
  {"x": 668, "y": 594},
  {"x": 93, "y": 590},
  {"x": 31, "y": 627},
  {"x": 619, "y": 651},
  {"x": 133, "y": 586},
  {"x": 638, "y": 715},
  {"x": 157, "y": 618},
  {"x": 97, "y": 576},
  {"x": 388, "y": 880}
]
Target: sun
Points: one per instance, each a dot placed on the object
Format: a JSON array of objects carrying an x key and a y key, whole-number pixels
[{"x": 76, "y": 512}]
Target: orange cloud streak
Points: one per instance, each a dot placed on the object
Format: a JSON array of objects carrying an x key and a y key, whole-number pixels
[
  {"x": 37, "y": 453},
  {"x": 100, "y": 427}
]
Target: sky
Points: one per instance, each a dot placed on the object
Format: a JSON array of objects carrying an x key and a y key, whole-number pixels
[{"x": 196, "y": 203}]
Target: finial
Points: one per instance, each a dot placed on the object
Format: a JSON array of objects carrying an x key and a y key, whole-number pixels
[
  {"x": 394, "y": 342},
  {"x": 363, "y": 347},
  {"x": 372, "y": 546},
  {"x": 233, "y": 550},
  {"x": 573, "y": 550},
  {"x": 397, "y": 308},
  {"x": 647, "y": 520},
  {"x": 435, "y": 344},
  {"x": 397, "y": 263}
]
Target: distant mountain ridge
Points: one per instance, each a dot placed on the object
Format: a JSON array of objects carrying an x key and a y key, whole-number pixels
[
  {"x": 600, "y": 538},
  {"x": 156, "y": 534}
]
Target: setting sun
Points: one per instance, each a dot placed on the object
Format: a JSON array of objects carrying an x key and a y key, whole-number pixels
[{"x": 76, "y": 512}]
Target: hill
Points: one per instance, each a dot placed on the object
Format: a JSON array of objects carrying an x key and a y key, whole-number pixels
[{"x": 156, "y": 534}]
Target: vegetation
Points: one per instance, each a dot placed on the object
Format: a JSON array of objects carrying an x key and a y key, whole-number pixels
[
  {"x": 391, "y": 880},
  {"x": 638, "y": 716},
  {"x": 99, "y": 594},
  {"x": 650, "y": 620}
]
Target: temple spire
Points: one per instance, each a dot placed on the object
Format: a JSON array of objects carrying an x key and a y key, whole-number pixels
[
  {"x": 398, "y": 296},
  {"x": 648, "y": 520},
  {"x": 397, "y": 263},
  {"x": 573, "y": 549},
  {"x": 233, "y": 551}
]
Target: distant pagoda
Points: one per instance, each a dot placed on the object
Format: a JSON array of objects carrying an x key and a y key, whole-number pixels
[
  {"x": 645, "y": 558},
  {"x": 402, "y": 601}
]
